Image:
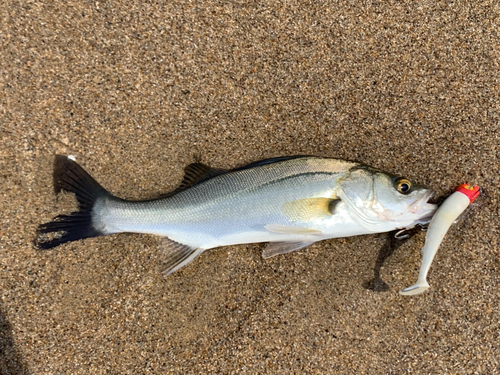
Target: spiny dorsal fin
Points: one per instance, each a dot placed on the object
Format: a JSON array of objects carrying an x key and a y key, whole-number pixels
[
  {"x": 269, "y": 161},
  {"x": 197, "y": 172}
]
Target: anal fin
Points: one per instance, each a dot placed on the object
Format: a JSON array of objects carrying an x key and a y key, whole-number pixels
[
  {"x": 276, "y": 248},
  {"x": 178, "y": 255}
]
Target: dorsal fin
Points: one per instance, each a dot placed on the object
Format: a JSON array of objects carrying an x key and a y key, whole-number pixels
[
  {"x": 269, "y": 161},
  {"x": 198, "y": 172},
  {"x": 194, "y": 174}
]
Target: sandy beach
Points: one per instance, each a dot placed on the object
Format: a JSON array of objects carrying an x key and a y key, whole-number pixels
[{"x": 137, "y": 90}]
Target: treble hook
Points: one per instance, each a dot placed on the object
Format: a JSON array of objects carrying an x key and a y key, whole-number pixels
[
  {"x": 406, "y": 233},
  {"x": 402, "y": 234}
]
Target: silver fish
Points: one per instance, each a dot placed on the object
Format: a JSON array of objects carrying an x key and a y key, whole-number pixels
[{"x": 290, "y": 202}]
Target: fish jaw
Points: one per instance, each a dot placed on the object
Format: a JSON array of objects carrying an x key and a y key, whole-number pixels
[
  {"x": 422, "y": 209},
  {"x": 422, "y": 204},
  {"x": 419, "y": 212},
  {"x": 425, "y": 215}
]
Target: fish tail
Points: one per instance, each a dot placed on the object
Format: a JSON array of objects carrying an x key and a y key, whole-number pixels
[{"x": 69, "y": 176}]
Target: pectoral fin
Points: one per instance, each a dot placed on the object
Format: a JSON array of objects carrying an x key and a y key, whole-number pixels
[
  {"x": 276, "y": 228},
  {"x": 310, "y": 208},
  {"x": 276, "y": 248}
]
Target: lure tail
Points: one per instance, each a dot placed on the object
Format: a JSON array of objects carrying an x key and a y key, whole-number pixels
[{"x": 69, "y": 176}]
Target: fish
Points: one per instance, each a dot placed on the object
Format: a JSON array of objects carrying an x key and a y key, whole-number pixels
[{"x": 289, "y": 202}]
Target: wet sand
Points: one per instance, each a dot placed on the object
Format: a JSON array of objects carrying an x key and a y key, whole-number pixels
[{"x": 138, "y": 90}]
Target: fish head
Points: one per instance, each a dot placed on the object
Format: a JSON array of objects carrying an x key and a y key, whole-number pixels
[{"x": 382, "y": 202}]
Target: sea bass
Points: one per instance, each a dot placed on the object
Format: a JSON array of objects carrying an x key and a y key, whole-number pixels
[{"x": 289, "y": 202}]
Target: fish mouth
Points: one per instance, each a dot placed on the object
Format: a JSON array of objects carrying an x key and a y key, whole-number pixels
[{"x": 423, "y": 208}]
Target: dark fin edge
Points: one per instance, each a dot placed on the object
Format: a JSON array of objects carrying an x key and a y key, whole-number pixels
[
  {"x": 198, "y": 172},
  {"x": 194, "y": 174},
  {"x": 69, "y": 176},
  {"x": 269, "y": 161}
]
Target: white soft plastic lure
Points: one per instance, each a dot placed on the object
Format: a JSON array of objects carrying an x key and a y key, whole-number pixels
[{"x": 442, "y": 220}]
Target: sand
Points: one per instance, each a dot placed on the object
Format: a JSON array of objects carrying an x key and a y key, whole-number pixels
[{"x": 136, "y": 90}]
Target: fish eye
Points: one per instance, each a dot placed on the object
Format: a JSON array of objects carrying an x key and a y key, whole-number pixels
[{"x": 402, "y": 185}]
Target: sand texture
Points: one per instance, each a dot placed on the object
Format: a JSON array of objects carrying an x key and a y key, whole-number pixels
[{"x": 136, "y": 90}]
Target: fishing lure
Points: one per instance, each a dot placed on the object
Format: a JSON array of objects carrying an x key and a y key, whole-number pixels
[{"x": 442, "y": 220}]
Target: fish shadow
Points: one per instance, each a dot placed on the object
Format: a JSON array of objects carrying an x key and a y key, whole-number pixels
[
  {"x": 10, "y": 360},
  {"x": 391, "y": 244}
]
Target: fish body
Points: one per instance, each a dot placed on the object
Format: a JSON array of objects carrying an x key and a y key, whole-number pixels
[{"x": 288, "y": 202}]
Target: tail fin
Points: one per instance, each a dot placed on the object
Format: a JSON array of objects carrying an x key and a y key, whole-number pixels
[{"x": 69, "y": 176}]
